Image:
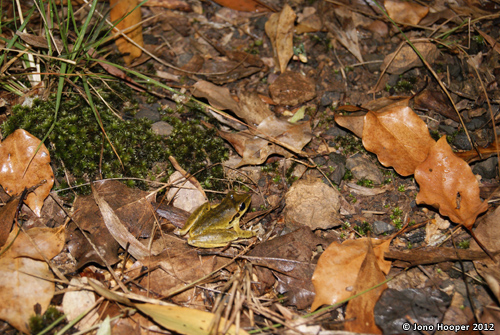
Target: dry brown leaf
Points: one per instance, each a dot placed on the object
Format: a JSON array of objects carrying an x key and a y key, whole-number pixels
[
  {"x": 407, "y": 58},
  {"x": 398, "y": 137},
  {"x": 119, "y": 232},
  {"x": 25, "y": 279},
  {"x": 287, "y": 264},
  {"x": 218, "y": 96},
  {"x": 16, "y": 152},
  {"x": 120, "y": 8},
  {"x": 346, "y": 33},
  {"x": 447, "y": 183},
  {"x": 244, "y": 5},
  {"x": 354, "y": 122},
  {"x": 280, "y": 28},
  {"x": 339, "y": 266},
  {"x": 361, "y": 308},
  {"x": 405, "y": 12},
  {"x": 255, "y": 150}
]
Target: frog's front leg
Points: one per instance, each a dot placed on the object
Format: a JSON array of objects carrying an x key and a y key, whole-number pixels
[
  {"x": 194, "y": 218},
  {"x": 241, "y": 233}
]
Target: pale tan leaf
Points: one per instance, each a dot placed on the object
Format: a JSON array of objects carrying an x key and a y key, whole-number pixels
[
  {"x": 280, "y": 28},
  {"x": 361, "y": 309},
  {"x": 25, "y": 281},
  {"x": 338, "y": 269},
  {"x": 16, "y": 152}
]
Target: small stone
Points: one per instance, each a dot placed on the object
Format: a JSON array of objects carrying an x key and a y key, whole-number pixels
[
  {"x": 329, "y": 97},
  {"x": 487, "y": 168},
  {"x": 320, "y": 160},
  {"x": 162, "y": 128},
  {"x": 381, "y": 227},
  {"x": 362, "y": 168},
  {"x": 334, "y": 130},
  {"x": 462, "y": 142},
  {"x": 292, "y": 88}
]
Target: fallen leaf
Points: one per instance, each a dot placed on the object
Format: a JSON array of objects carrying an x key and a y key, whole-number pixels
[
  {"x": 361, "y": 308},
  {"x": 182, "y": 320},
  {"x": 119, "y": 232},
  {"x": 338, "y": 269},
  {"x": 132, "y": 19},
  {"x": 16, "y": 152},
  {"x": 286, "y": 260},
  {"x": 279, "y": 28},
  {"x": 133, "y": 208},
  {"x": 7, "y": 214},
  {"x": 342, "y": 26},
  {"x": 405, "y": 12},
  {"x": 255, "y": 150},
  {"x": 244, "y": 5},
  {"x": 78, "y": 301},
  {"x": 354, "y": 122},
  {"x": 407, "y": 58},
  {"x": 398, "y": 137},
  {"x": 435, "y": 101},
  {"x": 447, "y": 183},
  {"x": 25, "y": 279}
]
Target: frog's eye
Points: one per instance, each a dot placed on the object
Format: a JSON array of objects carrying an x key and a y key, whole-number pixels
[{"x": 242, "y": 206}]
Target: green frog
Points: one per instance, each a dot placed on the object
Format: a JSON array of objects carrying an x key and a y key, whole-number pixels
[{"x": 211, "y": 227}]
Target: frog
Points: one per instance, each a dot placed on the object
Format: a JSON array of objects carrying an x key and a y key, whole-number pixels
[{"x": 212, "y": 227}]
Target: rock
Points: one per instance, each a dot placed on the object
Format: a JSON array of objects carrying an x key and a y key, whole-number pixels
[
  {"x": 362, "y": 168},
  {"x": 309, "y": 202},
  {"x": 162, "y": 128},
  {"x": 487, "y": 168},
  {"x": 329, "y": 97},
  {"x": 292, "y": 88},
  {"x": 381, "y": 227},
  {"x": 462, "y": 142}
]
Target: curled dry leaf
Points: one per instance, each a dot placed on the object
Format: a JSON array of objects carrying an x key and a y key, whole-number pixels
[
  {"x": 132, "y": 18},
  {"x": 398, "y": 137},
  {"x": 25, "y": 279},
  {"x": 255, "y": 150},
  {"x": 16, "y": 152},
  {"x": 280, "y": 28},
  {"x": 361, "y": 309},
  {"x": 447, "y": 183},
  {"x": 405, "y": 11},
  {"x": 339, "y": 266},
  {"x": 407, "y": 58}
]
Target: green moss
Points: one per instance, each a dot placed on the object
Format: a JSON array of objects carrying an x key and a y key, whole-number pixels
[
  {"x": 363, "y": 228},
  {"x": 77, "y": 140},
  {"x": 465, "y": 244},
  {"x": 198, "y": 150},
  {"x": 349, "y": 144},
  {"x": 365, "y": 183},
  {"x": 38, "y": 323}
]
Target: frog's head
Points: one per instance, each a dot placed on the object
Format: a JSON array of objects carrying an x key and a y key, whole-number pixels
[{"x": 241, "y": 202}]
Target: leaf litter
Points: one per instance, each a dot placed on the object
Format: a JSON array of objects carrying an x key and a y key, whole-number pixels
[{"x": 261, "y": 69}]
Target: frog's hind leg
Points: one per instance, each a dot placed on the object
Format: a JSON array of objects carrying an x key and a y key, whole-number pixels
[{"x": 213, "y": 239}]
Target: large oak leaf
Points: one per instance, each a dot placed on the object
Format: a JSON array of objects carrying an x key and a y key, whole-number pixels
[
  {"x": 447, "y": 183},
  {"x": 398, "y": 137},
  {"x": 16, "y": 152}
]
